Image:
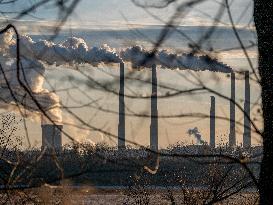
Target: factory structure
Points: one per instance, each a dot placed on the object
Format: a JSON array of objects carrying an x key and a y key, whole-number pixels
[
  {"x": 52, "y": 134},
  {"x": 51, "y": 137},
  {"x": 247, "y": 125},
  {"x": 212, "y": 121},
  {"x": 232, "y": 119},
  {"x": 154, "y": 113},
  {"x": 232, "y": 131},
  {"x": 121, "y": 123}
]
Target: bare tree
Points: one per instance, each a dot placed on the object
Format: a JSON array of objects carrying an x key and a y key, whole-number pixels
[{"x": 263, "y": 18}]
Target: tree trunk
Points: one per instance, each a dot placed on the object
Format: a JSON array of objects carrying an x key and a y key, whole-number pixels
[{"x": 263, "y": 17}]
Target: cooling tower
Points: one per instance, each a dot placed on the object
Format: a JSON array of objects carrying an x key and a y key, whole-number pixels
[
  {"x": 247, "y": 126},
  {"x": 154, "y": 114},
  {"x": 232, "y": 133},
  {"x": 212, "y": 121},
  {"x": 121, "y": 124},
  {"x": 52, "y": 137}
]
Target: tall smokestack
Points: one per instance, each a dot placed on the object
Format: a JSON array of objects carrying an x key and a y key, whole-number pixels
[
  {"x": 212, "y": 121},
  {"x": 52, "y": 137},
  {"x": 232, "y": 134},
  {"x": 154, "y": 114},
  {"x": 247, "y": 126},
  {"x": 121, "y": 124}
]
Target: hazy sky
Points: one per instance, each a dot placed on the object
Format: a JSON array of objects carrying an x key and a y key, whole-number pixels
[{"x": 119, "y": 12}]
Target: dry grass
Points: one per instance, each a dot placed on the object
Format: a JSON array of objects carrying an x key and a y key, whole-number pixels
[{"x": 67, "y": 195}]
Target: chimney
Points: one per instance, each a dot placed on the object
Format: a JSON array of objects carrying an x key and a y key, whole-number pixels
[
  {"x": 212, "y": 121},
  {"x": 154, "y": 114},
  {"x": 121, "y": 124},
  {"x": 232, "y": 134},
  {"x": 52, "y": 137},
  {"x": 247, "y": 126}
]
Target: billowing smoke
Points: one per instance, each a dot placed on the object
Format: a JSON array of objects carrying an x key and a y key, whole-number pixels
[
  {"x": 73, "y": 50},
  {"x": 139, "y": 57},
  {"x": 191, "y": 62},
  {"x": 195, "y": 132},
  {"x": 32, "y": 75},
  {"x": 6, "y": 40},
  {"x": 32, "y": 70}
]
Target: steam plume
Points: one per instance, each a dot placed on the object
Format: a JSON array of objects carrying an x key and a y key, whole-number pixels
[
  {"x": 6, "y": 39},
  {"x": 195, "y": 132},
  {"x": 139, "y": 56},
  {"x": 31, "y": 74},
  {"x": 72, "y": 50},
  {"x": 75, "y": 50}
]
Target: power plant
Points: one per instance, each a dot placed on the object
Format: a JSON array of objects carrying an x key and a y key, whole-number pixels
[
  {"x": 51, "y": 137},
  {"x": 154, "y": 113},
  {"x": 52, "y": 134}
]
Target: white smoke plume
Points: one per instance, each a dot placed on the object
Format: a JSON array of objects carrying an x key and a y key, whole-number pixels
[
  {"x": 195, "y": 132},
  {"x": 73, "y": 50},
  {"x": 32, "y": 75},
  {"x": 80, "y": 134},
  {"x": 6, "y": 40}
]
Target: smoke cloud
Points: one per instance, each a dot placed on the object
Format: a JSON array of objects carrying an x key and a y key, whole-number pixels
[
  {"x": 195, "y": 132},
  {"x": 139, "y": 57},
  {"x": 72, "y": 50},
  {"x": 32, "y": 75},
  {"x": 6, "y": 40},
  {"x": 75, "y": 50}
]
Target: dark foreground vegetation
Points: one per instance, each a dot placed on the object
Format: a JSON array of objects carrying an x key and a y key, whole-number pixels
[
  {"x": 106, "y": 166},
  {"x": 130, "y": 176}
]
